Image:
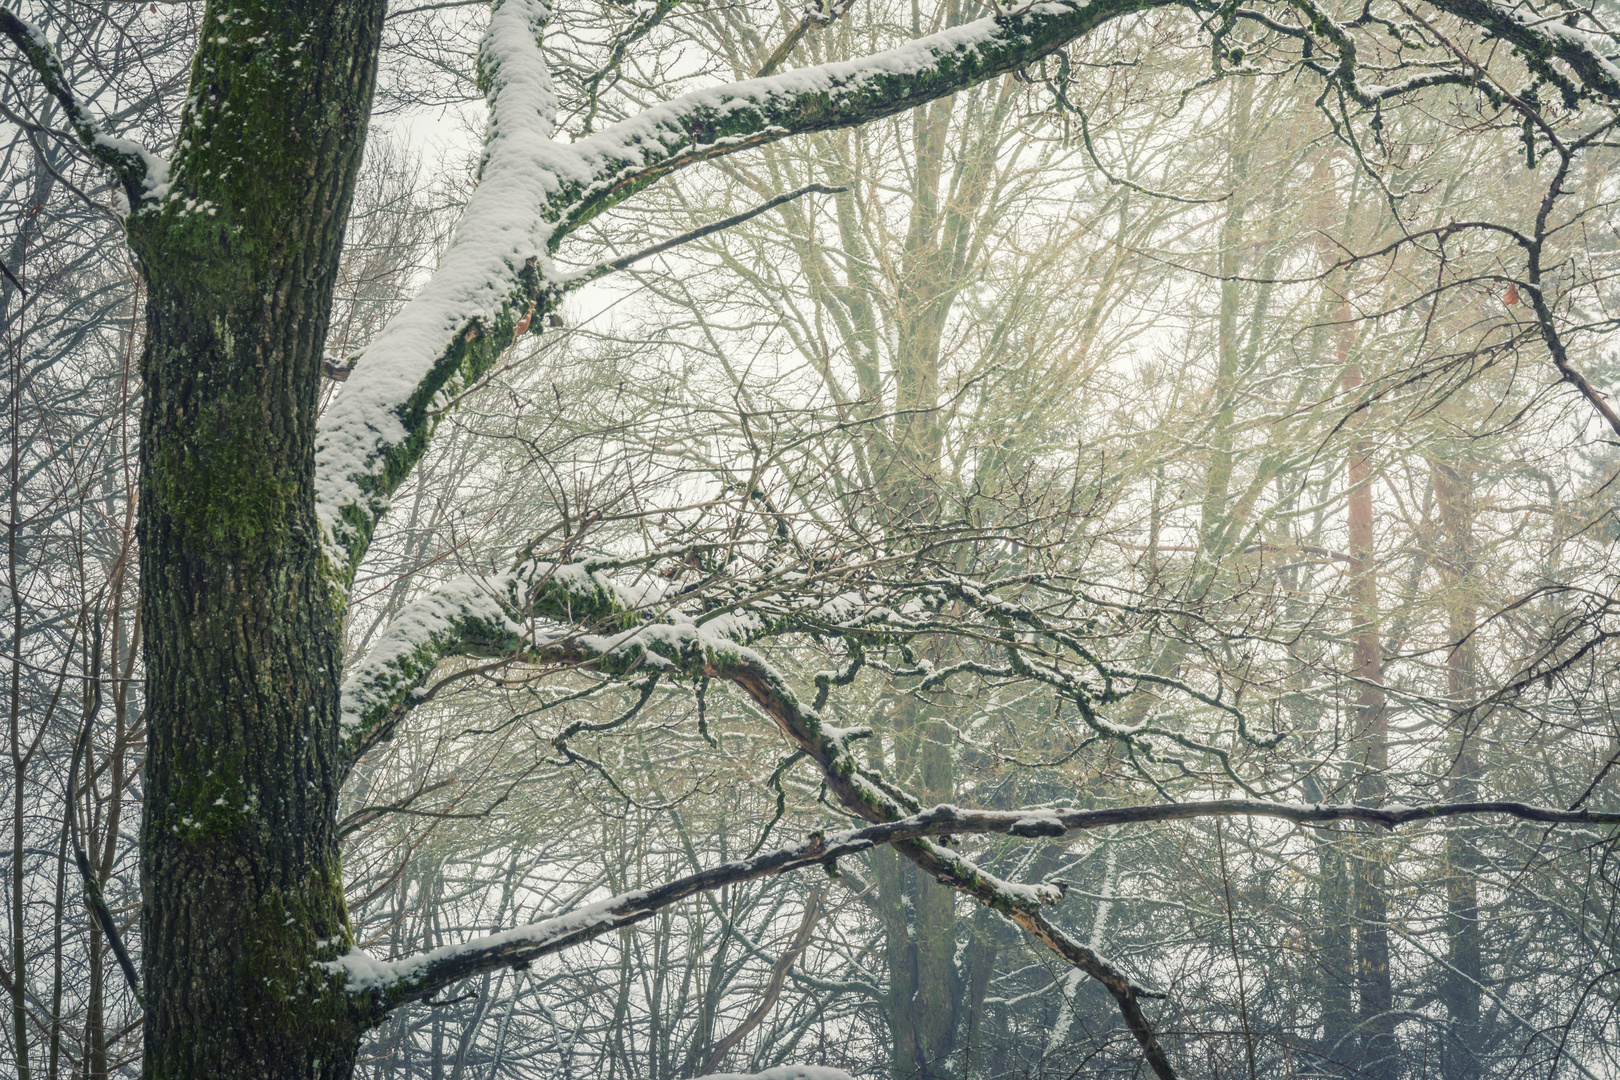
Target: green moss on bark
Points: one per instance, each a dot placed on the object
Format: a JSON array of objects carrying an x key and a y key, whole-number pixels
[{"x": 215, "y": 481}]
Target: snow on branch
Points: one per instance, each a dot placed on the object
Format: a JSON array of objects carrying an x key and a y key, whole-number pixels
[
  {"x": 497, "y": 276},
  {"x": 414, "y": 978},
  {"x": 419, "y": 977},
  {"x": 573, "y": 614},
  {"x": 1576, "y": 38},
  {"x": 381, "y": 691},
  {"x": 453, "y": 331},
  {"x": 482, "y": 617},
  {"x": 142, "y": 173}
]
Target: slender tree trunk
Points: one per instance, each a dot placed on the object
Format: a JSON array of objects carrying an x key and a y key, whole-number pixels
[
  {"x": 937, "y": 994},
  {"x": 1460, "y": 983},
  {"x": 979, "y": 966},
  {"x": 243, "y": 892},
  {"x": 54, "y": 1062},
  {"x": 1370, "y": 740},
  {"x": 919, "y": 914},
  {"x": 1215, "y": 527},
  {"x": 1336, "y": 977},
  {"x": 19, "y": 759}
]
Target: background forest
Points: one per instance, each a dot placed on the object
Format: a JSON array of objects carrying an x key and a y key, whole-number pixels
[{"x": 1143, "y": 323}]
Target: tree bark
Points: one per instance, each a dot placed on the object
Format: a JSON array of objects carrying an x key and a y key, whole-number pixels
[{"x": 242, "y": 889}]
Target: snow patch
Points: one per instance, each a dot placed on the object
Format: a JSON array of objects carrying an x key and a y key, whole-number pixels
[{"x": 787, "y": 1072}]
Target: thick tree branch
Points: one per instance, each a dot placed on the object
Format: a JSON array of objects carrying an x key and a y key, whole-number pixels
[
  {"x": 468, "y": 617},
  {"x": 1540, "y": 40},
  {"x": 497, "y": 275},
  {"x": 591, "y": 623}
]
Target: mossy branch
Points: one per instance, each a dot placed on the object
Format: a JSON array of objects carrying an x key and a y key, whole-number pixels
[
  {"x": 130, "y": 162},
  {"x": 576, "y": 181}
]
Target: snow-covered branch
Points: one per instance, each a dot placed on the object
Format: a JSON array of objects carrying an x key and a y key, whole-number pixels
[
  {"x": 573, "y": 614},
  {"x": 1574, "y": 39},
  {"x": 497, "y": 278},
  {"x": 486, "y": 617},
  {"x": 141, "y": 172},
  {"x": 392, "y": 983},
  {"x": 490, "y": 615}
]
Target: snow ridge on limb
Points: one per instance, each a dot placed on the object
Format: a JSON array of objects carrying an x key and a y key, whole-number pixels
[
  {"x": 1540, "y": 40},
  {"x": 455, "y": 328},
  {"x": 478, "y": 617},
  {"x": 584, "y": 620},
  {"x": 414, "y": 978},
  {"x": 497, "y": 279},
  {"x": 142, "y": 173}
]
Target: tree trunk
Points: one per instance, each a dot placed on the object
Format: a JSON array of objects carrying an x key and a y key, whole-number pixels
[
  {"x": 1336, "y": 974},
  {"x": 1370, "y": 742},
  {"x": 242, "y": 890},
  {"x": 1460, "y": 986},
  {"x": 1215, "y": 528},
  {"x": 919, "y": 914}
]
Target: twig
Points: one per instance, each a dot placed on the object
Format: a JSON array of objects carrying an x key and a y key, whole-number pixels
[
  {"x": 616, "y": 265},
  {"x": 92, "y": 887}
]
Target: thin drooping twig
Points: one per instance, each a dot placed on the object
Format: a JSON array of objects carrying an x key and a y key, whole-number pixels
[{"x": 604, "y": 269}]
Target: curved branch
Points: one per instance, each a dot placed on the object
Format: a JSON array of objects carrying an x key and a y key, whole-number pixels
[
  {"x": 1540, "y": 41},
  {"x": 497, "y": 281},
  {"x": 395, "y": 982},
  {"x": 497, "y": 276},
  {"x": 141, "y": 172},
  {"x": 469, "y": 617},
  {"x": 594, "y": 624}
]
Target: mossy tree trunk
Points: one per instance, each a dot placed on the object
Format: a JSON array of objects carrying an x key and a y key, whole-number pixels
[{"x": 239, "y": 859}]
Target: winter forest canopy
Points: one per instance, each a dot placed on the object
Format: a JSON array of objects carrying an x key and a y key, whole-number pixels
[{"x": 939, "y": 541}]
